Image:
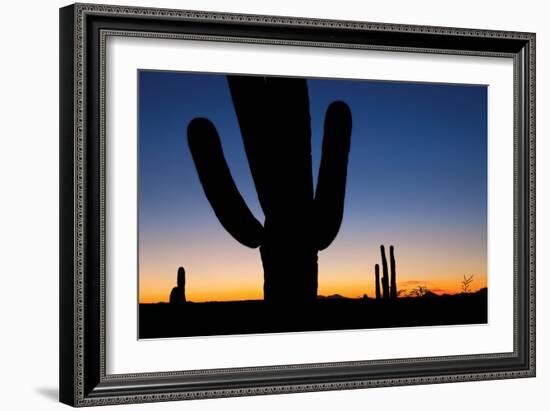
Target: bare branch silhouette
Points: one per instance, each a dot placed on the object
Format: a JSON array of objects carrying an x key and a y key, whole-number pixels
[{"x": 466, "y": 282}]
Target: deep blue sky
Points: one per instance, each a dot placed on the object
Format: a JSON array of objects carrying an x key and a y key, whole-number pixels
[{"x": 417, "y": 166}]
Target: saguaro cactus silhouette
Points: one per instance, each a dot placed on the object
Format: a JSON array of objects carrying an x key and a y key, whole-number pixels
[
  {"x": 274, "y": 119},
  {"x": 177, "y": 296}
]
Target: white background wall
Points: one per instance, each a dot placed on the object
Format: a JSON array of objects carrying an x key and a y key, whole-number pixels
[{"x": 29, "y": 203}]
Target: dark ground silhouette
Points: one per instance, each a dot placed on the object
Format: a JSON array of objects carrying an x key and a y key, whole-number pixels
[
  {"x": 325, "y": 313},
  {"x": 300, "y": 219}
]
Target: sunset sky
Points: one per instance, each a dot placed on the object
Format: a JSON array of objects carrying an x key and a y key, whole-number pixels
[{"x": 417, "y": 179}]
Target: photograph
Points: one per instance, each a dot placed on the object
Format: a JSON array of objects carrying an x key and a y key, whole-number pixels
[
  {"x": 273, "y": 201},
  {"x": 273, "y": 204}
]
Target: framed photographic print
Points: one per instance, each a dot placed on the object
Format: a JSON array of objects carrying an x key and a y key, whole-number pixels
[{"x": 261, "y": 204}]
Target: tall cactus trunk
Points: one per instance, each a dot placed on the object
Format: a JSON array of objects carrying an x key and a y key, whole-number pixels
[
  {"x": 393, "y": 286},
  {"x": 289, "y": 261},
  {"x": 290, "y": 276}
]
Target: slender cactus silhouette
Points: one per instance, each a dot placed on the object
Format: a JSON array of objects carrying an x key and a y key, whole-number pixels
[
  {"x": 377, "y": 280},
  {"x": 177, "y": 296},
  {"x": 274, "y": 119},
  {"x": 393, "y": 284},
  {"x": 385, "y": 278}
]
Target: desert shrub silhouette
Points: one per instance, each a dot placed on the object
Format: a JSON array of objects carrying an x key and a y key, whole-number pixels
[
  {"x": 274, "y": 119},
  {"x": 177, "y": 296},
  {"x": 421, "y": 291}
]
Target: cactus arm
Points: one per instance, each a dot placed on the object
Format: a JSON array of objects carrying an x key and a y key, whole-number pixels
[
  {"x": 331, "y": 184},
  {"x": 219, "y": 186}
]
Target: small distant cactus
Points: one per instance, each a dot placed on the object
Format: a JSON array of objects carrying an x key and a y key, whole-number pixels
[
  {"x": 177, "y": 296},
  {"x": 389, "y": 284}
]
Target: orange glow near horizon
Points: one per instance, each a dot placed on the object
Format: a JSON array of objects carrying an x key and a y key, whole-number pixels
[
  {"x": 160, "y": 291},
  {"x": 345, "y": 268}
]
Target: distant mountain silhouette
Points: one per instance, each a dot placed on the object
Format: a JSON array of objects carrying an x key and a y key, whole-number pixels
[
  {"x": 300, "y": 220},
  {"x": 333, "y": 297}
]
